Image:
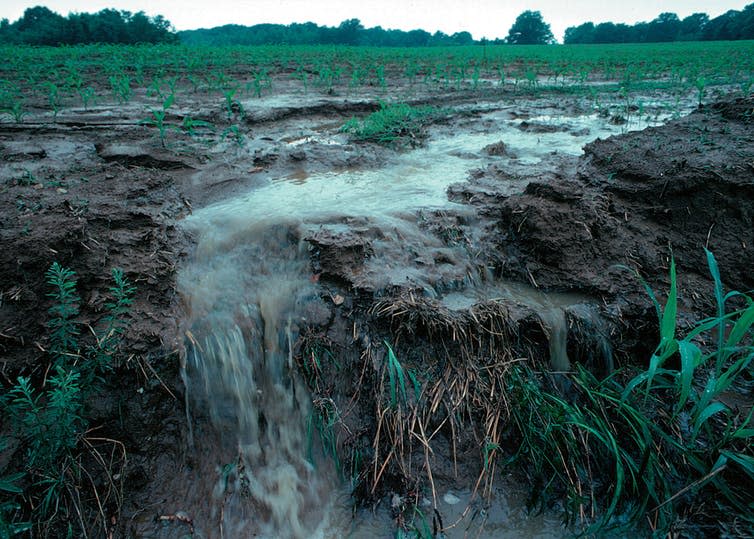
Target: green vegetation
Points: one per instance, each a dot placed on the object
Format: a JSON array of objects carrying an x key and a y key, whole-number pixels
[
  {"x": 41, "y": 26},
  {"x": 731, "y": 25},
  {"x": 649, "y": 445},
  {"x": 394, "y": 123},
  {"x": 48, "y": 416},
  {"x": 34, "y": 79},
  {"x": 530, "y": 29}
]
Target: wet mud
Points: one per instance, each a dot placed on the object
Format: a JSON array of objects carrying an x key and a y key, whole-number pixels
[{"x": 519, "y": 246}]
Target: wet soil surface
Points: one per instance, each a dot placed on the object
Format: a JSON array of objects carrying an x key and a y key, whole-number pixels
[{"x": 94, "y": 190}]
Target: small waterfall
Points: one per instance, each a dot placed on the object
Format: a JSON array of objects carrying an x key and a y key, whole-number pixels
[
  {"x": 244, "y": 300},
  {"x": 554, "y": 319}
]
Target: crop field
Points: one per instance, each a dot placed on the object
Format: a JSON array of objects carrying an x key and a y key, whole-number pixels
[
  {"x": 298, "y": 291},
  {"x": 39, "y": 78}
]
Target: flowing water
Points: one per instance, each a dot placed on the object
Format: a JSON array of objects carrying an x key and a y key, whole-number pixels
[{"x": 248, "y": 288}]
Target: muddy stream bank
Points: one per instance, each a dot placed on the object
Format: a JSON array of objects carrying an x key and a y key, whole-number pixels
[{"x": 286, "y": 278}]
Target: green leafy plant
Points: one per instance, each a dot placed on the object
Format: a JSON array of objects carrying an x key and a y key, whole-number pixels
[
  {"x": 192, "y": 126},
  {"x": 48, "y": 415},
  {"x": 393, "y": 123},
  {"x": 660, "y": 437},
  {"x": 235, "y": 133},
  {"x": 87, "y": 96},
  {"x": 64, "y": 331},
  {"x": 121, "y": 88},
  {"x": 158, "y": 119},
  {"x": 231, "y": 105},
  {"x": 53, "y": 98}
]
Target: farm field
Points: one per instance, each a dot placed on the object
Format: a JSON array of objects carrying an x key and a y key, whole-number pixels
[{"x": 377, "y": 292}]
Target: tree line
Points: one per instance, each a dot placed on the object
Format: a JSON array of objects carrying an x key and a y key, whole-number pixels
[
  {"x": 349, "y": 32},
  {"x": 41, "y": 26},
  {"x": 730, "y": 26}
]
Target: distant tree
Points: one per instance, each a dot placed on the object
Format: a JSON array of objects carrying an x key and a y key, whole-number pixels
[
  {"x": 692, "y": 27},
  {"x": 605, "y": 32},
  {"x": 418, "y": 38},
  {"x": 746, "y": 28},
  {"x": 666, "y": 27},
  {"x": 723, "y": 27},
  {"x": 440, "y": 38},
  {"x": 530, "y": 29},
  {"x": 462, "y": 38},
  {"x": 348, "y": 32},
  {"x": 41, "y": 26},
  {"x": 7, "y": 32},
  {"x": 583, "y": 33}
]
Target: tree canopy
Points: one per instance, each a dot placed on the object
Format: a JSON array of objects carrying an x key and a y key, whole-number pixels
[
  {"x": 530, "y": 29},
  {"x": 348, "y": 32},
  {"x": 732, "y": 25},
  {"x": 41, "y": 26}
]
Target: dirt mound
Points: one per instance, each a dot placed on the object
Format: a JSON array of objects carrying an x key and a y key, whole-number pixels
[
  {"x": 91, "y": 217},
  {"x": 636, "y": 199}
]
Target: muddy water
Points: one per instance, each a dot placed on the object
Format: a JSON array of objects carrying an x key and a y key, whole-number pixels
[
  {"x": 248, "y": 289},
  {"x": 549, "y": 306}
]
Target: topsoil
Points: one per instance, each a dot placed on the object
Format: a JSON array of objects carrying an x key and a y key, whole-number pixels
[{"x": 94, "y": 193}]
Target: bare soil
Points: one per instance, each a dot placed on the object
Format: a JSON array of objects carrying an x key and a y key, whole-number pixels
[{"x": 94, "y": 190}]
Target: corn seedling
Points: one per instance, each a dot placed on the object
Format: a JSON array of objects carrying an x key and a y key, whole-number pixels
[
  {"x": 121, "y": 88},
  {"x": 158, "y": 119},
  {"x": 701, "y": 85},
  {"x": 231, "y": 105},
  {"x": 87, "y": 95},
  {"x": 191, "y": 126},
  {"x": 53, "y": 98},
  {"x": 235, "y": 133}
]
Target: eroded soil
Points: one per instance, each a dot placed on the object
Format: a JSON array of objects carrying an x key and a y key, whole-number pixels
[{"x": 95, "y": 190}]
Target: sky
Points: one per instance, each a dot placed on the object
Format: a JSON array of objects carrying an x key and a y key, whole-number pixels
[{"x": 483, "y": 18}]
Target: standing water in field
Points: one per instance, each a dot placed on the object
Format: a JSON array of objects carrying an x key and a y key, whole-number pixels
[{"x": 249, "y": 288}]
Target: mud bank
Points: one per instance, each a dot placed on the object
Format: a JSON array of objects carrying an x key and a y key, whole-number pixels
[
  {"x": 519, "y": 261},
  {"x": 635, "y": 201}
]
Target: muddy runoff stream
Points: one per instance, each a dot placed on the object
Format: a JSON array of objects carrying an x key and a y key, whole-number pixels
[{"x": 249, "y": 288}]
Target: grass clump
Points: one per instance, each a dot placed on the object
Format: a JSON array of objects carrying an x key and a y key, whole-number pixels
[
  {"x": 396, "y": 123},
  {"x": 656, "y": 445},
  {"x": 48, "y": 419}
]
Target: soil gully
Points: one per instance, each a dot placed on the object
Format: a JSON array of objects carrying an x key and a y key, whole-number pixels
[{"x": 249, "y": 290}]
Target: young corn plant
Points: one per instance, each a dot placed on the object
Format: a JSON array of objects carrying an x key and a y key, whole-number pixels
[
  {"x": 53, "y": 98},
  {"x": 231, "y": 105},
  {"x": 86, "y": 94},
  {"x": 157, "y": 119},
  {"x": 193, "y": 127},
  {"x": 121, "y": 88},
  {"x": 701, "y": 88}
]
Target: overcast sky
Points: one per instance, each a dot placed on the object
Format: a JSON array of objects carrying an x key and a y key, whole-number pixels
[{"x": 483, "y": 18}]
